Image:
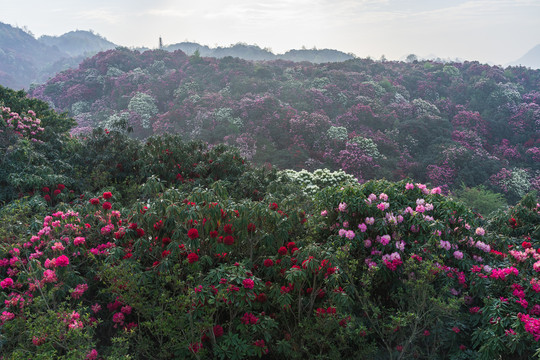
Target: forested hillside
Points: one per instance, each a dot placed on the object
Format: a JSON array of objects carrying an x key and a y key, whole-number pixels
[
  {"x": 118, "y": 248},
  {"x": 447, "y": 124}
]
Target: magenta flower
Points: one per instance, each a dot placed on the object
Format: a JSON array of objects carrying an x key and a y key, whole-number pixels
[
  {"x": 62, "y": 261},
  {"x": 248, "y": 283},
  {"x": 92, "y": 355},
  {"x": 383, "y": 206},
  {"x": 385, "y": 239},
  {"x": 119, "y": 318},
  {"x": 6, "y": 283}
]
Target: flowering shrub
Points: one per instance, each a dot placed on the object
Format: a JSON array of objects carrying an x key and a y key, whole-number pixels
[
  {"x": 416, "y": 261},
  {"x": 27, "y": 125}
]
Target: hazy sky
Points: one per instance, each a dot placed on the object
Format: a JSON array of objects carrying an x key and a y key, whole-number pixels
[{"x": 497, "y": 31}]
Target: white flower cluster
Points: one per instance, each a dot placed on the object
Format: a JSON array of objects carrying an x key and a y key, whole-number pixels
[{"x": 312, "y": 182}]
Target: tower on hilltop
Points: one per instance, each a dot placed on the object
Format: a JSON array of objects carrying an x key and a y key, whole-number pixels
[{"x": 160, "y": 43}]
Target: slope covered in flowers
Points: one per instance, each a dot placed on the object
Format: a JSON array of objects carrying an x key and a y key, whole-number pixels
[
  {"x": 446, "y": 124},
  {"x": 171, "y": 249}
]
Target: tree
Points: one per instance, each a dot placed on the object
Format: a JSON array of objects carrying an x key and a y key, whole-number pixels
[{"x": 412, "y": 58}]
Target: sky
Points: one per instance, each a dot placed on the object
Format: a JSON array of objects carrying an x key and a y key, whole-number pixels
[{"x": 492, "y": 31}]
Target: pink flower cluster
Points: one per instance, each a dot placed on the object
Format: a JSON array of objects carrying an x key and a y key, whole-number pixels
[
  {"x": 532, "y": 325},
  {"x": 79, "y": 291},
  {"x": 503, "y": 273},
  {"x": 392, "y": 261}
]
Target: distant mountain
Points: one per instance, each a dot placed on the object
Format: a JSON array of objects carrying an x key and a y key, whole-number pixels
[
  {"x": 76, "y": 43},
  {"x": 25, "y": 60},
  {"x": 255, "y": 53},
  {"x": 21, "y": 57},
  {"x": 530, "y": 59}
]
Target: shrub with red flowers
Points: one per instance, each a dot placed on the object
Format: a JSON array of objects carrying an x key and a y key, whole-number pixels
[{"x": 207, "y": 267}]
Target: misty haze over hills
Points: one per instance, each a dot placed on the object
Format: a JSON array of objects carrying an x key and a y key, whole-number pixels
[
  {"x": 25, "y": 60},
  {"x": 255, "y": 53},
  {"x": 530, "y": 59}
]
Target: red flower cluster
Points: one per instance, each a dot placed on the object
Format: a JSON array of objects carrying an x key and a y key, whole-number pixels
[
  {"x": 228, "y": 229},
  {"x": 193, "y": 233},
  {"x": 192, "y": 257},
  {"x": 249, "y": 318},
  {"x": 268, "y": 262},
  {"x": 251, "y": 227},
  {"x": 228, "y": 240},
  {"x": 218, "y": 330}
]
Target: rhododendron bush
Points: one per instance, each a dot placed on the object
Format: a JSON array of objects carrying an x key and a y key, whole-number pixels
[{"x": 393, "y": 270}]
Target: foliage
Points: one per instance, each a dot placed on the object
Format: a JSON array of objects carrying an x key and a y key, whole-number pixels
[{"x": 480, "y": 199}]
